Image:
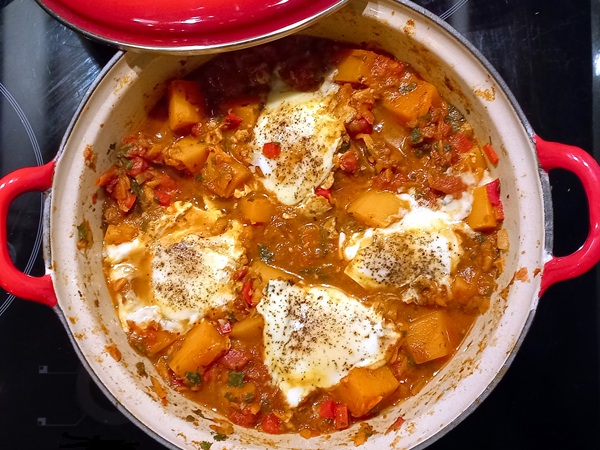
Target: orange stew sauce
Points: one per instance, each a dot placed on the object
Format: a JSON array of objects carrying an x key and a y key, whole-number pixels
[{"x": 400, "y": 138}]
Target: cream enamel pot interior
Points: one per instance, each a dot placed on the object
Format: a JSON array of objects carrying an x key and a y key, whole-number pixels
[{"x": 131, "y": 83}]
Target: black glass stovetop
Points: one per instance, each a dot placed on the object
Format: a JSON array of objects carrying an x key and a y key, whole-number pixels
[{"x": 547, "y": 51}]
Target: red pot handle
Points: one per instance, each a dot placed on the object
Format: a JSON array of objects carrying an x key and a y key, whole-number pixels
[
  {"x": 553, "y": 155},
  {"x": 39, "y": 289}
]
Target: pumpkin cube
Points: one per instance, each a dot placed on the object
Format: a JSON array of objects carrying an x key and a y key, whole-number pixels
[
  {"x": 186, "y": 104},
  {"x": 187, "y": 153},
  {"x": 355, "y": 67},
  {"x": 364, "y": 388},
  {"x": 377, "y": 208},
  {"x": 482, "y": 216},
  {"x": 222, "y": 174},
  {"x": 412, "y": 100},
  {"x": 256, "y": 209},
  {"x": 200, "y": 347},
  {"x": 249, "y": 329},
  {"x": 427, "y": 337}
]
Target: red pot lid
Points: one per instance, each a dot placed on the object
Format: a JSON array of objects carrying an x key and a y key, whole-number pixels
[{"x": 187, "y": 25}]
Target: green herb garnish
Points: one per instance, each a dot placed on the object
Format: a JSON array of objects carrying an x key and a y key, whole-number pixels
[
  {"x": 194, "y": 378},
  {"x": 416, "y": 136},
  {"x": 236, "y": 379}
]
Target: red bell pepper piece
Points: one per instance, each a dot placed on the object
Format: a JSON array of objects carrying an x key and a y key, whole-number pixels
[
  {"x": 491, "y": 154},
  {"x": 493, "y": 193},
  {"x": 232, "y": 121},
  {"x": 327, "y": 409},
  {"x": 271, "y": 150},
  {"x": 322, "y": 192},
  {"x": 247, "y": 292}
]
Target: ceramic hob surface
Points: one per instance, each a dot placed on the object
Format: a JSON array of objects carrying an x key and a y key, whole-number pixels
[{"x": 547, "y": 51}]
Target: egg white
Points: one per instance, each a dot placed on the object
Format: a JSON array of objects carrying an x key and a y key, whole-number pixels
[
  {"x": 308, "y": 132},
  {"x": 178, "y": 271},
  {"x": 314, "y": 335},
  {"x": 425, "y": 244}
]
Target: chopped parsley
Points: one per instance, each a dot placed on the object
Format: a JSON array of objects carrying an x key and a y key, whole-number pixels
[
  {"x": 194, "y": 378},
  {"x": 236, "y": 379},
  {"x": 415, "y": 136},
  {"x": 205, "y": 445}
]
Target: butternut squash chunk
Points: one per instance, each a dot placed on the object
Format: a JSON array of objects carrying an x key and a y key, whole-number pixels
[
  {"x": 365, "y": 67},
  {"x": 355, "y": 67},
  {"x": 256, "y": 209},
  {"x": 151, "y": 340},
  {"x": 364, "y": 388},
  {"x": 186, "y": 104},
  {"x": 377, "y": 208},
  {"x": 412, "y": 100},
  {"x": 222, "y": 174},
  {"x": 248, "y": 113},
  {"x": 482, "y": 216},
  {"x": 462, "y": 290},
  {"x": 249, "y": 329},
  {"x": 201, "y": 346},
  {"x": 187, "y": 153},
  {"x": 427, "y": 337}
]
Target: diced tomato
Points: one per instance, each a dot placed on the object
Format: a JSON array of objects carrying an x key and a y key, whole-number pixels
[
  {"x": 271, "y": 150},
  {"x": 224, "y": 327},
  {"x": 359, "y": 125},
  {"x": 491, "y": 154},
  {"x": 271, "y": 424},
  {"x": 166, "y": 182},
  {"x": 234, "y": 359},
  {"x": 327, "y": 409},
  {"x": 461, "y": 143},
  {"x": 445, "y": 129},
  {"x": 162, "y": 195},
  {"x": 341, "y": 421},
  {"x": 322, "y": 192},
  {"x": 243, "y": 417},
  {"x": 448, "y": 184},
  {"x": 247, "y": 292},
  {"x": 138, "y": 165},
  {"x": 232, "y": 121},
  {"x": 349, "y": 161}
]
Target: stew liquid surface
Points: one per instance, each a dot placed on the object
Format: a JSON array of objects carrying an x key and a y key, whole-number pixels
[{"x": 301, "y": 234}]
